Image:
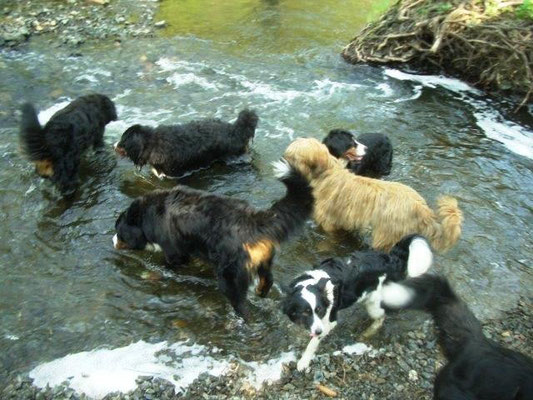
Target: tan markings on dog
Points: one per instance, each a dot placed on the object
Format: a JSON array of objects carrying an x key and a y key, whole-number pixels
[
  {"x": 390, "y": 210},
  {"x": 351, "y": 154},
  {"x": 121, "y": 245},
  {"x": 44, "y": 168},
  {"x": 259, "y": 252},
  {"x": 260, "y": 288}
]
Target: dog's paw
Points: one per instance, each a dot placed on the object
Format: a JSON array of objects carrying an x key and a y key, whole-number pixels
[{"x": 303, "y": 365}]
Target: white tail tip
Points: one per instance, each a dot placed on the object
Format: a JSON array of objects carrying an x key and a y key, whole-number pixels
[
  {"x": 395, "y": 295},
  {"x": 281, "y": 168},
  {"x": 420, "y": 257}
]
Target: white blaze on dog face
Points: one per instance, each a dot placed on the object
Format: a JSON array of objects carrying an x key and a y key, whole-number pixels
[
  {"x": 115, "y": 241},
  {"x": 313, "y": 307},
  {"x": 360, "y": 149}
]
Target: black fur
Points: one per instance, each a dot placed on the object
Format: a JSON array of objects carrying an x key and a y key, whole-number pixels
[
  {"x": 65, "y": 137},
  {"x": 352, "y": 278},
  {"x": 377, "y": 161},
  {"x": 187, "y": 222},
  {"x": 478, "y": 368},
  {"x": 175, "y": 149}
]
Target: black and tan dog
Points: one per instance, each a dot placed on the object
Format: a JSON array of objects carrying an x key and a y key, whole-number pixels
[
  {"x": 238, "y": 240},
  {"x": 369, "y": 155},
  {"x": 172, "y": 150},
  {"x": 56, "y": 148},
  {"x": 478, "y": 368}
]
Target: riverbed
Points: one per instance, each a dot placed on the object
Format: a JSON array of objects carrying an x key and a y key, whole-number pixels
[{"x": 65, "y": 290}]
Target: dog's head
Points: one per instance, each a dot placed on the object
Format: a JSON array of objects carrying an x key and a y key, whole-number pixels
[
  {"x": 342, "y": 144},
  {"x": 309, "y": 301},
  {"x": 129, "y": 229},
  {"x": 108, "y": 108},
  {"x": 310, "y": 157},
  {"x": 134, "y": 144}
]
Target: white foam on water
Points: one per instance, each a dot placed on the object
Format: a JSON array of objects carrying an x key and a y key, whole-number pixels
[
  {"x": 327, "y": 87},
  {"x": 167, "y": 64},
  {"x": 513, "y": 136},
  {"x": 100, "y": 372},
  {"x": 432, "y": 81},
  {"x": 269, "y": 92},
  {"x": 385, "y": 89},
  {"x": 269, "y": 371},
  {"x": 280, "y": 131},
  {"x": 179, "y": 79},
  {"x": 45, "y": 115}
]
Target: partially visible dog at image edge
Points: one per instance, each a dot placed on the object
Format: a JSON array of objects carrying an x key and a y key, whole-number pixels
[
  {"x": 56, "y": 148},
  {"x": 315, "y": 297},
  {"x": 172, "y": 150},
  {"x": 389, "y": 210},
  {"x": 238, "y": 240},
  {"x": 478, "y": 368}
]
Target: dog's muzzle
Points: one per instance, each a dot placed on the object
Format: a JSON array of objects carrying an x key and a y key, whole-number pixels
[{"x": 120, "y": 150}]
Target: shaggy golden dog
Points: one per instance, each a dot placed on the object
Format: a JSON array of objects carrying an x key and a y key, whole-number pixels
[{"x": 390, "y": 210}]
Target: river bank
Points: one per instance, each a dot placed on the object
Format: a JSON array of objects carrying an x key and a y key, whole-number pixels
[
  {"x": 404, "y": 368},
  {"x": 74, "y": 22}
]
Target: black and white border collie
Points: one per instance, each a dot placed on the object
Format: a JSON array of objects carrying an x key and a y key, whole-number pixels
[
  {"x": 238, "y": 240},
  {"x": 172, "y": 150},
  {"x": 376, "y": 148},
  {"x": 478, "y": 368},
  {"x": 315, "y": 297},
  {"x": 56, "y": 148}
]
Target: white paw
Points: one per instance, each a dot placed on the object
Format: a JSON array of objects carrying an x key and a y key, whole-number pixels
[{"x": 303, "y": 365}]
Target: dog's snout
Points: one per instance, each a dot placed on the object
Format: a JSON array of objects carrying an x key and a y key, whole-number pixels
[
  {"x": 317, "y": 332},
  {"x": 119, "y": 150}
]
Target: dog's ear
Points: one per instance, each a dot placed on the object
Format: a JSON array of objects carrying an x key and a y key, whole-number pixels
[
  {"x": 134, "y": 142},
  {"x": 110, "y": 109},
  {"x": 309, "y": 156}
]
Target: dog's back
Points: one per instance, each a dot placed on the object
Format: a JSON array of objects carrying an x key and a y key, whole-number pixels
[{"x": 175, "y": 149}]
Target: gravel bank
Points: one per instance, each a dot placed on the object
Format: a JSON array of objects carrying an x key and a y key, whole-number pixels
[
  {"x": 403, "y": 368},
  {"x": 73, "y": 22}
]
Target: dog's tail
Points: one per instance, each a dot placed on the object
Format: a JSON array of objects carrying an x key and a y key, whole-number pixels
[
  {"x": 449, "y": 229},
  {"x": 246, "y": 124},
  {"x": 32, "y": 138},
  {"x": 289, "y": 213},
  {"x": 415, "y": 253},
  {"x": 456, "y": 323}
]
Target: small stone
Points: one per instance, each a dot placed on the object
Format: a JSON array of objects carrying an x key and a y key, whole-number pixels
[
  {"x": 160, "y": 24},
  {"x": 413, "y": 375}
]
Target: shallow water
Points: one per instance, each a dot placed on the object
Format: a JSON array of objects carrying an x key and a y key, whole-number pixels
[{"x": 64, "y": 289}]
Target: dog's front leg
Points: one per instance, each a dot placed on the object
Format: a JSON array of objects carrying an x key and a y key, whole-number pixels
[{"x": 309, "y": 353}]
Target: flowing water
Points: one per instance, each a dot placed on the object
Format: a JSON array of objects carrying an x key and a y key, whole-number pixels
[{"x": 65, "y": 290}]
